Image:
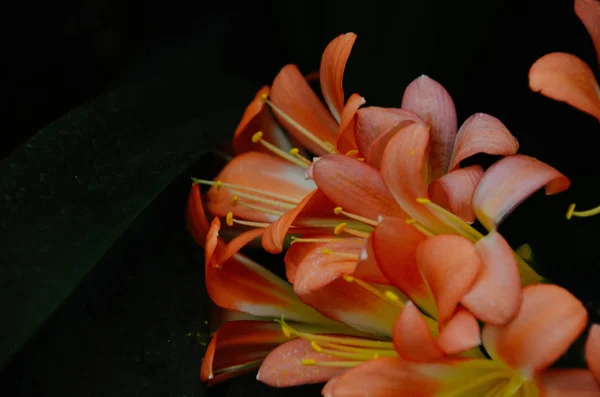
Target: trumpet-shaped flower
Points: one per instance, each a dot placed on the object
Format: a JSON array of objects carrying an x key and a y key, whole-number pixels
[
  {"x": 564, "y": 77},
  {"x": 548, "y": 322}
]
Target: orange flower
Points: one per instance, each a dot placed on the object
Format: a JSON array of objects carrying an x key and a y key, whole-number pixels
[
  {"x": 549, "y": 321},
  {"x": 567, "y": 78}
]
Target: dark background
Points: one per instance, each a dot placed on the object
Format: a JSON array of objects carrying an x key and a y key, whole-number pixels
[{"x": 124, "y": 331}]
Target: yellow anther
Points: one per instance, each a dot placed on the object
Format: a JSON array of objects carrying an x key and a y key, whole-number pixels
[
  {"x": 412, "y": 152},
  {"x": 316, "y": 346},
  {"x": 410, "y": 221},
  {"x": 257, "y": 137},
  {"x": 392, "y": 296},
  {"x": 348, "y": 278},
  {"x": 264, "y": 97},
  {"x": 229, "y": 219},
  {"x": 326, "y": 251},
  {"x": 234, "y": 199},
  {"x": 375, "y": 356},
  {"x": 339, "y": 228},
  {"x": 361, "y": 159},
  {"x": 286, "y": 331},
  {"x": 337, "y": 210},
  {"x": 570, "y": 211},
  {"x": 308, "y": 362},
  {"x": 423, "y": 200},
  {"x": 218, "y": 185},
  {"x": 294, "y": 151},
  {"x": 352, "y": 153}
]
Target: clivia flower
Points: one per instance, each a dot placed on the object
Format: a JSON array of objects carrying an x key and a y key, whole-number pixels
[{"x": 567, "y": 78}]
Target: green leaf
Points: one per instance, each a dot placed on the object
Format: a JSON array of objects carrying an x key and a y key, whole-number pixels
[{"x": 70, "y": 191}]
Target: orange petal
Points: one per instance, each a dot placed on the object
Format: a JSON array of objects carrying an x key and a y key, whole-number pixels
[
  {"x": 242, "y": 284},
  {"x": 403, "y": 170},
  {"x": 226, "y": 251},
  {"x": 482, "y": 133},
  {"x": 346, "y": 140},
  {"x": 449, "y": 265},
  {"x": 294, "y": 97},
  {"x": 257, "y": 171},
  {"x": 395, "y": 244},
  {"x": 432, "y": 103},
  {"x": 509, "y": 182},
  {"x": 412, "y": 337},
  {"x": 314, "y": 206},
  {"x": 460, "y": 333},
  {"x": 592, "y": 351},
  {"x": 549, "y": 320},
  {"x": 367, "y": 267},
  {"x": 566, "y": 78},
  {"x": 496, "y": 294},
  {"x": 569, "y": 383},
  {"x": 333, "y": 64},
  {"x": 355, "y": 186},
  {"x": 195, "y": 217},
  {"x": 328, "y": 388},
  {"x": 374, "y": 123},
  {"x": 320, "y": 283},
  {"x": 296, "y": 254},
  {"x": 257, "y": 117},
  {"x": 213, "y": 242},
  {"x": 588, "y": 12},
  {"x": 394, "y": 377},
  {"x": 239, "y": 347},
  {"x": 454, "y": 191},
  {"x": 283, "y": 367}
]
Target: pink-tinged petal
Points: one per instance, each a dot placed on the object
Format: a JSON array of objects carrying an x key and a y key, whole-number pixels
[
  {"x": 432, "y": 103},
  {"x": 243, "y": 285},
  {"x": 283, "y": 367},
  {"x": 257, "y": 117},
  {"x": 197, "y": 223},
  {"x": 333, "y": 64},
  {"x": 395, "y": 244},
  {"x": 403, "y": 170},
  {"x": 412, "y": 337},
  {"x": 592, "y": 351},
  {"x": 482, "y": 133},
  {"x": 239, "y": 347},
  {"x": 569, "y": 383},
  {"x": 496, "y": 294},
  {"x": 454, "y": 191},
  {"x": 509, "y": 182},
  {"x": 367, "y": 267},
  {"x": 378, "y": 125},
  {"x": 395, "y": 377},
  {"x": 320, "y": 283},
  {"x": 460, "y": 333},
  {"x": 328, "y": 388},
  {"x": 346, "y": 140},
  {"x": 449, "y": 265},
  {"x": 314, "y": 206},
  {"x": 294, "y": 99},
  {"x": 566, "y": 78},
  {"x": 588, "y": 12},
  {"x": 259, "y": 171},
  {"x": 375, "y": 155},
  {"x": 549, "y": 320},
  {"x": 355, "y": 186}
]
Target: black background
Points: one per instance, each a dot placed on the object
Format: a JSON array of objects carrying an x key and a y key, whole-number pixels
[{"x": 124, "y": 331}]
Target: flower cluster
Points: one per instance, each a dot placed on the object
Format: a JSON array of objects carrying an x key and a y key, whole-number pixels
[{"x": 399, "y": 282}]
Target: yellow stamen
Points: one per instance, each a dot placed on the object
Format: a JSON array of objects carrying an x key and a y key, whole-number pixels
[
  {"x": 257, "y": 138},
  {"x": 327, "y": 251},
  {"x": 314, "y": 240},
  {"x": 308, "y": 362},
  {"x": 315, "y": 346},
  {"x": 287, "y": 206},
  {"x": 339, "y": 228},
  {"x": 352, "y": 153},
  {"x": 234, "y": 199},
  {"x": 296, "y": 153},
  {"x": 582, "y": 214},
  {"x": 286, "y": 331},
  {"x": 464, "y": 228},
  {"x": 334, "y": 364},
  {"x": 348, "y": 278},
  {"x": 263, "y": 97},
  {"x": 323, "y": 145},
  {"x": 340, "y": 210},
  {"x": 361, "y": 159},
  {"x": 261, "y": 209},
  {"x": 229, "y": 219},
  {"x": 219, "y": 184},
  {"x": 426, "y": 231},
  {"x": 412, "y": 152},
  {"x": 391, "y": 296},
  {"x": 357, "y": 233}
]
